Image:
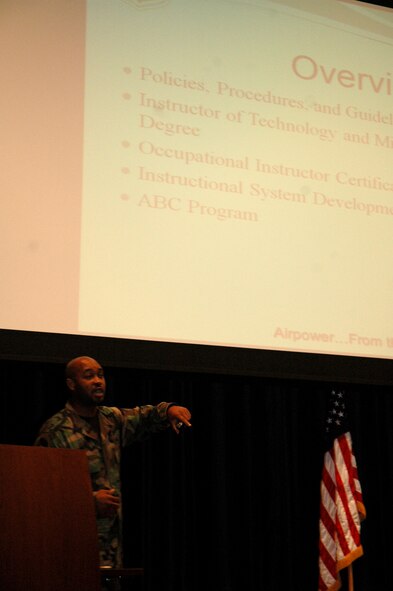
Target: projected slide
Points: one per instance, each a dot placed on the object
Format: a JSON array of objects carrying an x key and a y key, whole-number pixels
[{"x": 236, "y": 182}]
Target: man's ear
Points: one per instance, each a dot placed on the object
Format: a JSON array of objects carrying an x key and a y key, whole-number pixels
[{"x": 70, "y": 383}]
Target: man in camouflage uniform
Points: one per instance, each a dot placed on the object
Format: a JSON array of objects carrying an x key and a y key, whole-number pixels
[{"x": 102, "y": 431}]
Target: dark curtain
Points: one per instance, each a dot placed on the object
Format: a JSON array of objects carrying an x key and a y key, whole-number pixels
[{"x": 232, "y": 503}]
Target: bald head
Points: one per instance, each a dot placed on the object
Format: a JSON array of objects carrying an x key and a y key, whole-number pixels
[
  {"x": 75, "y": 365},
  {"x": 86, "y": 383}
]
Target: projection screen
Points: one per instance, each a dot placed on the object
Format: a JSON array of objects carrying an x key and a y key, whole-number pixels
[{"x": 215, "y": 172}]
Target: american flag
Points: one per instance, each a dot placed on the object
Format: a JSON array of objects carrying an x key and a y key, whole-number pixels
[{"x": 341, "y": 506}]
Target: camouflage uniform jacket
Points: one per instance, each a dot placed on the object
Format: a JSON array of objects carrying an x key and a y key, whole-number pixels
[{"x": 118, "y": 428}]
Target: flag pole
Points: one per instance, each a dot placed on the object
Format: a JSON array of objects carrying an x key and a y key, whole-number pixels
[{"x": 350, "y": 578}]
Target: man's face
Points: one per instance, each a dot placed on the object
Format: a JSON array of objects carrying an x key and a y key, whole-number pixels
[{"x": 87, "y": 383}]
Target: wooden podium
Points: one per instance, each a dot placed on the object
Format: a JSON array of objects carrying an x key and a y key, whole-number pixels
[{"x": 48, "y": 533}]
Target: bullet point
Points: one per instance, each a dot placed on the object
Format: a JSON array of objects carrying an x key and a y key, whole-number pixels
[{"x": 126, "y": 96}]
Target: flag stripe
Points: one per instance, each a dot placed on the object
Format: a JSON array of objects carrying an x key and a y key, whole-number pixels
[{"x": 349, "y": 510}]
